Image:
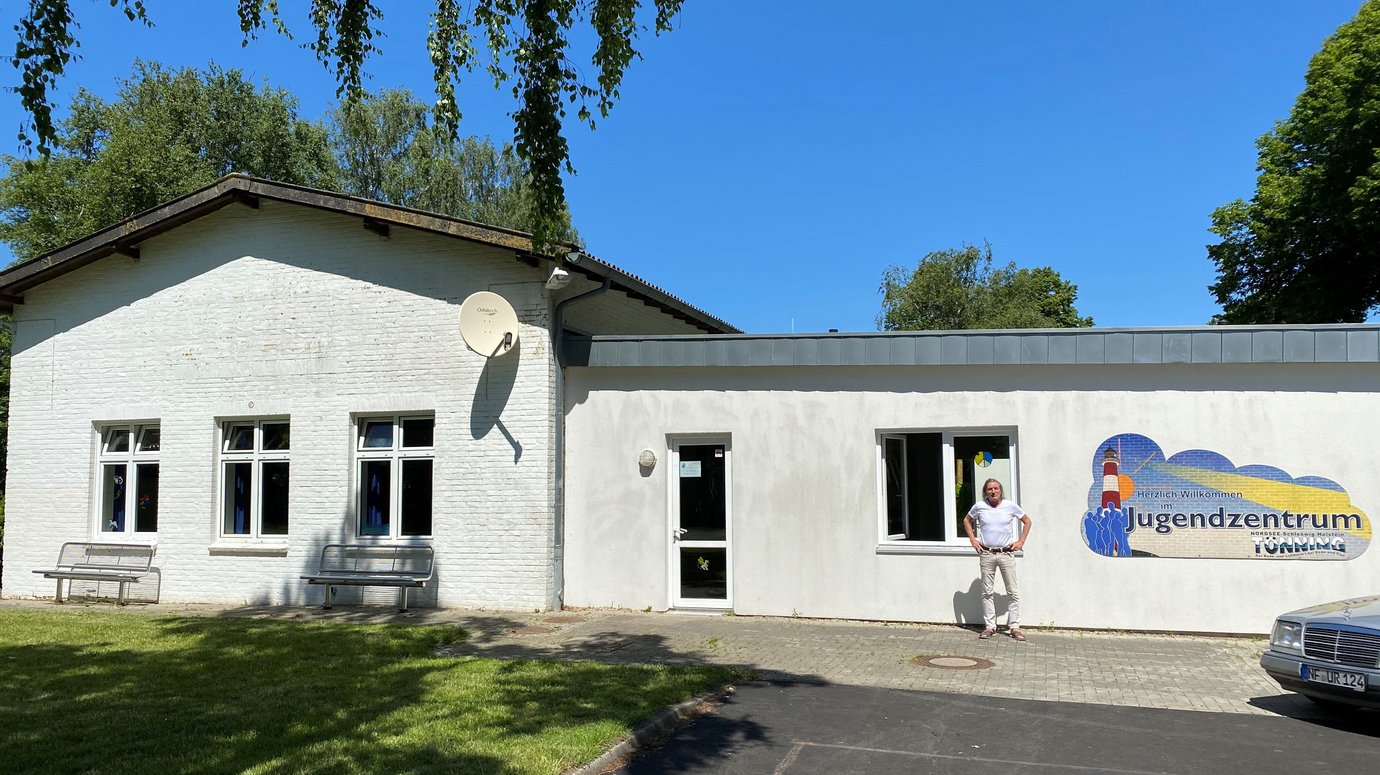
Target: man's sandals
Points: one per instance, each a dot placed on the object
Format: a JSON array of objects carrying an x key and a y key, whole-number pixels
[{"x": 1015, "y": 634}]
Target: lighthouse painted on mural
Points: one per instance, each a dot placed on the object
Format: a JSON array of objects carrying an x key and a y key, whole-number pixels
[{"x": 1111, "y": 483}]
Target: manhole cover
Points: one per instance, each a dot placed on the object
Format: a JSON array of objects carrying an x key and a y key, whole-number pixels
[
  {"x": 953, "y": 662},
  {"x": 564, "y": 619},
  {"x": 532, "y": 630}
]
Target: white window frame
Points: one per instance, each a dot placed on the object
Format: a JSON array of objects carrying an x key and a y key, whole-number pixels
[
  {"x": 396, "y": 454},
  {"x": 256, "y": 456},
  {"x": 954, "y": 541},
  {"x": 136, "y": 455}
]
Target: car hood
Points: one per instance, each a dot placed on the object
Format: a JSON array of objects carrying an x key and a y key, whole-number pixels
[{"x": 1357, "y": 611}]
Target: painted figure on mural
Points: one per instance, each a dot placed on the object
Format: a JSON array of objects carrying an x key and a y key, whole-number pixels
[{"x": 991, "y": 528}]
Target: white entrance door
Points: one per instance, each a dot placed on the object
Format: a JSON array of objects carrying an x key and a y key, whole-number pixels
[{"x": 701, "y": 567}]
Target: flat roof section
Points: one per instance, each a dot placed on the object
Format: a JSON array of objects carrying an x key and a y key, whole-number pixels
[{"x": 1332, "y": 343}]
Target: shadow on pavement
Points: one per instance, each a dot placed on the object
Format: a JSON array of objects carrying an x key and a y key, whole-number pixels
[{"x": 1361, "y": 721}]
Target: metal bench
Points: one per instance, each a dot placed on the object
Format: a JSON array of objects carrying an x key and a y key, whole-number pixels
[
  {"x": 405, "y": 566},
  {"x": 87, "y": 561}
]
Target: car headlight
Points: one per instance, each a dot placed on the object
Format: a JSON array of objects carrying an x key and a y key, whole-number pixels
[{"x": 1287, "y": 635}]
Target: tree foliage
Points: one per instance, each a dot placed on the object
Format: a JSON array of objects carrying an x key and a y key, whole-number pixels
[
  {"x": 386, "y": 149},
  {"x": 959, "y": 289},
  {"x": 527, "y": 45},
  {"x": 1306, "y": 247},
  {"x": 168, "y": 133}
]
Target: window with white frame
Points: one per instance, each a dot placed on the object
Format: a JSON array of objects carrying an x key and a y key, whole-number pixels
[
  {"x": 395, "y": 459},
  {"x": 127, "y": 472},
  {"x": 255, "y": 475},
  {"x": 930, "y": 479}
]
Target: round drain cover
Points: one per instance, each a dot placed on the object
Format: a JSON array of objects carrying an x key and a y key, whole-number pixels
[{"x": 953, "y": 662}]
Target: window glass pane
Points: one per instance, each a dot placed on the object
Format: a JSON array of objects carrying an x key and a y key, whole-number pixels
[
  {"x": 703, "y": 509},
  {"x": 238, "y": 486},
  {"x": 977, "y": 459},
  {"x": 894, "y": 454},
  {"x": 113, "y": 499},
  {"x": 150, "y": 439},
  {"x": 416, "y": 497},
  {"x": 375, "y": 496},
  {"x": 418, "y": 432},
  {"x": 378, "y": 434},
  {"x": 240, "y": 438},
  {"x": 117, "y": 440},
  {"x": 276, "y": 436},
  {"x": 704, "y": 573},
  {"x": 146, "y": 492},
  {"x": 273, "y": 500}
]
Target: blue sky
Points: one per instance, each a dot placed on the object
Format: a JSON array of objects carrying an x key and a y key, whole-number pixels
[{"x": 768, "y": 165}]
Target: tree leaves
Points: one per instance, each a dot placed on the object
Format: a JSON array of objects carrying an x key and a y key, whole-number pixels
[
  {"x": 1306, "y": 247},
  {"x": 170, "y": 132},
  {"x": 528, "y": 42},
  {"x": 958, "y": 289},
  {"x": 167, "y": 133}
]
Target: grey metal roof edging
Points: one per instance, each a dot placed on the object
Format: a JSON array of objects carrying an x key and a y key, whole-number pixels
[
  {"x": 1329, "y": 343},
  {"x": 124, "y": 237}
]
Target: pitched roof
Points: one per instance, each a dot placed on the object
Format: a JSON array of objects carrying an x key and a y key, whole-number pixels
[{"x": 125, "y": 236}]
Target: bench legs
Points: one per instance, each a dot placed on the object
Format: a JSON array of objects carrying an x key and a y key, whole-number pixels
[
  {"x": 326, "y": 604},
  {"x": 120, "y": 599}
]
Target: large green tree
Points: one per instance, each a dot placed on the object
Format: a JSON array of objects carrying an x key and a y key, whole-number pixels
[
  {"x": 527, "y": 42},
  {"x": 388, "y": 149},
  {"x": 166, "y": 133},
  {"x": 959, "y": 288},
  {"x": 1306, "y": 247}
]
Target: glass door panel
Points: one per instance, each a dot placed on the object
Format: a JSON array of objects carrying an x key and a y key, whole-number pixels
[{"x": 700, "y": 525}]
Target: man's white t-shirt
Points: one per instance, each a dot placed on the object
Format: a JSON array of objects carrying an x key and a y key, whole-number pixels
[{"x": 996, "y": 525}]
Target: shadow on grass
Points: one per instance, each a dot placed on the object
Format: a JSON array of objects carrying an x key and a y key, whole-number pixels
[
  {"x": 715, "y": 738},
  {"x": 106, "y": 692}
]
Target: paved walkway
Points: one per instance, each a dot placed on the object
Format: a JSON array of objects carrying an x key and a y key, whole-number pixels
[{"x": 1179, "y": 672}]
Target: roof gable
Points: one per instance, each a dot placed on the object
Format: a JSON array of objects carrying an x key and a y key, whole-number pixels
[{"x": 124, "y": 238}]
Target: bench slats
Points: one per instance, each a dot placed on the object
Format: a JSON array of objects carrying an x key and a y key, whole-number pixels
[{"x": 374, "y": 565}]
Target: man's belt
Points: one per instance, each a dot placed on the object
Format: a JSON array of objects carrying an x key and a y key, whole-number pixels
[{"x": 998, "y": 549}]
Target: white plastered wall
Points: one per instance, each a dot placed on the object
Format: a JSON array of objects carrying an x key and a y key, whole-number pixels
[
  {"x": 806, "y": 518},
  {"x": 286, "y": 311}
]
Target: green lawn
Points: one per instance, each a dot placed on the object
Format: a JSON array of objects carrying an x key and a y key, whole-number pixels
[{"x": 94, "y": 691}]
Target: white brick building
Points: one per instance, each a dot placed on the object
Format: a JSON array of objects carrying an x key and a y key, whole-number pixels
[
  {"x": 250, "y": 335},
  {"x": 255, "y": 370}
]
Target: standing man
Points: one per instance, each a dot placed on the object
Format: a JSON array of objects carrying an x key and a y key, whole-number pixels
[{"x": 991, "y": 528}]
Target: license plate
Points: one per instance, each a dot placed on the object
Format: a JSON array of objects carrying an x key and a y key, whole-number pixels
[{"x": 1353, "y": 681}]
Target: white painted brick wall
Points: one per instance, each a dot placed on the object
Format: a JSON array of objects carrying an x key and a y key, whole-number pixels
[{"x": 286, "y": 311}]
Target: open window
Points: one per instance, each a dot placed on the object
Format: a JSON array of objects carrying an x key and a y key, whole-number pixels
[{"x": 929, "y": 479}]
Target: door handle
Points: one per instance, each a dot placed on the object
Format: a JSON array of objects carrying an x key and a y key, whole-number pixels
[{"x": 676, "y": 533}]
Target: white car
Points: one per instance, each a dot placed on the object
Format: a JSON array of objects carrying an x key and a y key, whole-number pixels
[{"x": 1329, "y": 653}]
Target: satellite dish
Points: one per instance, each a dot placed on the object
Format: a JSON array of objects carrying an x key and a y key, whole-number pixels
[{"x": 488, "y": 324}]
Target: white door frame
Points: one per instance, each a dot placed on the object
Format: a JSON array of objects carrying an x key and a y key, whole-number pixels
[{"x": 673, "y": 542}]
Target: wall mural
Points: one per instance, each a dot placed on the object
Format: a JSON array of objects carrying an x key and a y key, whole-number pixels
[{"x": 1196, "y": 503}]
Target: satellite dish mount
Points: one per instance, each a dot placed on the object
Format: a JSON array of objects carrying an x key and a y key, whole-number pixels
[{"x": 488, "y": 324}]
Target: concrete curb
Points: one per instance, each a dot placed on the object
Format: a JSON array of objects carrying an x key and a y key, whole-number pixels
[{"x": 666, "y": 721}]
